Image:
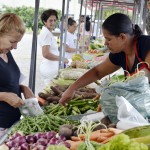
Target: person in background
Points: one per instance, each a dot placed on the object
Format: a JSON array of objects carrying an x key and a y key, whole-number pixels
[
  {"x": 64, "y": 24},
  {"x": 87, "y": 33},
  {"x": 12, "y": 30},
  {"x": 82, "y": 19},
  {"x": 49, "y": 65},
  {"x": 71, "y": 39},
  {"x": 127, "y": 46},
  {"x": 94, "y": 30}
]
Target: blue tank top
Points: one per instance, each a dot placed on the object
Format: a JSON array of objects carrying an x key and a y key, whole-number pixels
[{"x": 9, "y": 82}]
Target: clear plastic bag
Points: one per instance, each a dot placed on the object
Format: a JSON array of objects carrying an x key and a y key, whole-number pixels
[
  {"x": 127, "y": 115},
  {"x": 31, "y": 107}
]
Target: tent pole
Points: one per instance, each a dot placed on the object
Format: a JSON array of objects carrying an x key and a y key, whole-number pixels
[
  {"x": 61, "y": 35},
  {"x": 79, "y": 26},
  {"x": 34, "y": 49}
]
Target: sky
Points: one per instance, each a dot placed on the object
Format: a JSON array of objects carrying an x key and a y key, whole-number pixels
[
  {"x": 74, "y": 6},
  {"x": 43, "y": 3}
]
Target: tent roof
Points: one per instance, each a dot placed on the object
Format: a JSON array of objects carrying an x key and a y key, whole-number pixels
[
  {"x": 125, "y": 3},
  {"x": 114, "y": 1}
]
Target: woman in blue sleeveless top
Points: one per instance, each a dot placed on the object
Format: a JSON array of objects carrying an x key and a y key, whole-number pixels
[{"x": 12, "y": 30}]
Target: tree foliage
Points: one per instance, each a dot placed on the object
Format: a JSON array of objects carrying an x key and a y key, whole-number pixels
[{"x": 27, "y": 14}]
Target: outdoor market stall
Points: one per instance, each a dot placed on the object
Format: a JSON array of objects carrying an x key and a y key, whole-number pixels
[{"x": 72, "y": 126}]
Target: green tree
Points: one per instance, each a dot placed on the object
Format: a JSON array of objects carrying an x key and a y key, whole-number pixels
[{"x": 27, "y": 14}]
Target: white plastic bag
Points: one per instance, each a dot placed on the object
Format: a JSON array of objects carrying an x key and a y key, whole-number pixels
[
  {"x": 31, "y": 107},
  {"x": 95, "y": 117},
  {"x": 127, "y": 115}
]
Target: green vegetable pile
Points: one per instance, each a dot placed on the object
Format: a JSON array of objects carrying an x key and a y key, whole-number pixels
[
  {"x": 123, "y": 142},
  {"x": 95, "y": 146},
  {"x": 41, "y": 123},
  {"x": 119, "y": 142},
  {"x": 57, "y": 147},
  {"x": 74, "y": 107}
]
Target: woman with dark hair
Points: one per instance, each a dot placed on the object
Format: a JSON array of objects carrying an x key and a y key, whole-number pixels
[
  {"x": 49, "y": 65},
  {"x": 87, "y": 33},
  {"x": 71, "y": 38},
  {"x": 128, "y": 47},
  {"x": 88, "y": 24}
]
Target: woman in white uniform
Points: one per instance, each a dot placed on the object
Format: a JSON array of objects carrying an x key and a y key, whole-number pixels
[
  {"x": 71, "y": 39},
  {"x": 50, "y": 63}
]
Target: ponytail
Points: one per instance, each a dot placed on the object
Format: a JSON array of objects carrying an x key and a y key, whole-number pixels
[
  {"x": 137, "y": 30},
  {"x": 87, "y": 26}
]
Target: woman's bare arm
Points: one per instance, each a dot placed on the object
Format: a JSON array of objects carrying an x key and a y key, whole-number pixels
[{"x": 92, "y": 75}]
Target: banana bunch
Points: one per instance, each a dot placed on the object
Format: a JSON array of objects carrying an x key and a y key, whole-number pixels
[{"x": 77, "y": 57}]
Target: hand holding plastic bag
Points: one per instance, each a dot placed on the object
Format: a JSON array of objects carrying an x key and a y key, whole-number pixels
[
  {"x": 31, "y": 107},
  {"x": 127, "y": 115}
]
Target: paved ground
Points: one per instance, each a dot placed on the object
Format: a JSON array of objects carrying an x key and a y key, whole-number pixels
[{"x": 22, "y": 56}]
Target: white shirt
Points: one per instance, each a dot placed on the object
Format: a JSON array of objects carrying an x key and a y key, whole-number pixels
[
  {"x": 48, "y": 68},
  {"x": 94, "y": 27},
  {"x": 47, "y": 38},
  {"x": 71, "y": 41}
]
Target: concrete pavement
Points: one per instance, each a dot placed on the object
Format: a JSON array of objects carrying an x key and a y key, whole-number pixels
[{"x": 22, "y": 56}]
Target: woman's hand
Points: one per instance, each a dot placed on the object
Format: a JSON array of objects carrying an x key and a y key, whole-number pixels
[
  {"x": 26, "y": 92},
  {"x": 66, "y": 96},
  {"x": 13, "y": 100}
]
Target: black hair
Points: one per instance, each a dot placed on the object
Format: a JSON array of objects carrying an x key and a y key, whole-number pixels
[
  {"x": 71, "y": 21},
  {"x": 87, "y": 25},
  {"x": 121, "y": 23},
  {"x": 47, "y": 13}
]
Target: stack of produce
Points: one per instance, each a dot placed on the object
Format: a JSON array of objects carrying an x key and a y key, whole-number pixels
[
  {"x": 38, "y": 141},
  {"x": 110, "y": 139},
  {"x": 91, "y": 59},
  {"x": 42, "y": 123},
  {"x": 53, "y": 94},
  {"x": 74, "y": 107},
  {"x": 98, "y": 44},
  {"x": 77, "y": 57},
  {"x": 80, "y": 64},
  {"x": 86, "y": 135},
  {"x": 72, "y": 74}
]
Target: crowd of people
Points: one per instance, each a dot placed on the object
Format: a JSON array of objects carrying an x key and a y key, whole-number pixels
[
  {"x": 50, "y": 51},
  {"x": 127, "y": 46},
  {"x": 48, "y": 43}
]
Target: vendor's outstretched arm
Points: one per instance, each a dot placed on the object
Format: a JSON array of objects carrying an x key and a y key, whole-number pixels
[{"x": 92, "y": 75}]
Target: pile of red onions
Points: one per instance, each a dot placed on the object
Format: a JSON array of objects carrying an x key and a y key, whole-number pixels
[{"x": 38, "y": 141}]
